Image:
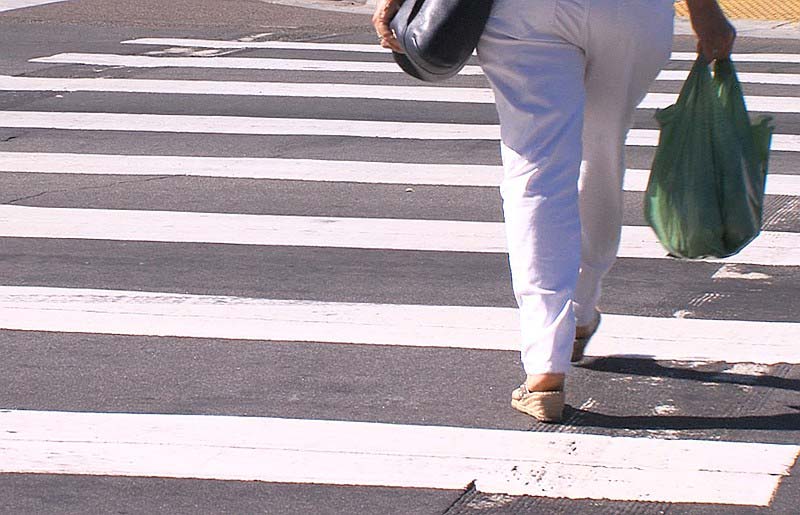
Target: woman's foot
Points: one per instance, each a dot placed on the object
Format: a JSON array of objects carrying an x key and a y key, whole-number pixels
[
  {"x": 583, "y": 333},
  {"x": 541, "y": 396}
]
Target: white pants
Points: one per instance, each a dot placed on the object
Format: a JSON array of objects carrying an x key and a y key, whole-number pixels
[{"x": 567, "y": 76}]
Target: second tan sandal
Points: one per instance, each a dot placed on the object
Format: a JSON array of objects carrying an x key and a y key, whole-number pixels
[
  {"x": 582, "y": 337},
  {"x": 543, "y": 406}
]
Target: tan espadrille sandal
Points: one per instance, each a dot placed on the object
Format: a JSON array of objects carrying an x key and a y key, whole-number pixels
[
  {"x": 582, "y": 336},
  {"x": 543, "y": 406}
]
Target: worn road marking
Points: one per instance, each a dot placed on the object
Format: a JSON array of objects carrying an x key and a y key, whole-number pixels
[
  {"x": 396, "y": 455},
  {"x": 374, "y": 48},
  {"x": 488, "y": 328}
]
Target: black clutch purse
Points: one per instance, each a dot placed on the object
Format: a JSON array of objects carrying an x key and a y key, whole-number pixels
[{"x": 438, "y": 36}]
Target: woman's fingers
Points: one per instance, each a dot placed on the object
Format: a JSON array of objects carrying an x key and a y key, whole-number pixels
[
  {"x": 384, "y": 12},
  {"x": 715, "y": 34},
  {"x": 717, "y": 44}
]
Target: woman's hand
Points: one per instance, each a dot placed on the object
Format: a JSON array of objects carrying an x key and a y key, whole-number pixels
[
  {"x": 715, "y": 33},
  {"x": 384, "y": 12}
]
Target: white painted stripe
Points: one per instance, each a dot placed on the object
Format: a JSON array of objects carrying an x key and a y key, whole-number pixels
[
  {"x": 257, "y": 63},
  {"x": 754, "y": 103},
  {"x": 10, "y": 5},
  {"x": 295, "y": 127},
  {"x": 300, "y": 170},
  {"x": 745, "y": 58},
  {"x": 395, "y": 455},
  {"x": 264, "y": 45},
  {"x": 246, "y": 125},
  {"x": 787, "y": 79},
  {"x": 770, "y": 248},
  {"x": 463, "y": 327},
  {"x": 375, "y": 48},
  {"x": 777, "y": 184},
  {"x": 273, "y": 89},
  {"x": 250, "y": 63},
  {"x": 326, "y": 90},
  {"x": 254, "y": 168},
  {"x": 649, "y": 138}
]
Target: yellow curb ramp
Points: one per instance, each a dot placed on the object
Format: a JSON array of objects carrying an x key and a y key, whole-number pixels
[{"x": 766, "y": 10}]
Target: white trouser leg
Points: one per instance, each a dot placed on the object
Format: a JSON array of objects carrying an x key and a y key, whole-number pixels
[
  {"x": 619, "y": 70},
  {"x": 534, "y": 53}
]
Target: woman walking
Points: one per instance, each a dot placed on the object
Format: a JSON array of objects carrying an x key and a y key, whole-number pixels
[{"x": 567, "y": 76}]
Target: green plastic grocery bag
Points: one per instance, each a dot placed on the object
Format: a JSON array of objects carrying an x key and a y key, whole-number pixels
[{"x": 706, "y": 188}]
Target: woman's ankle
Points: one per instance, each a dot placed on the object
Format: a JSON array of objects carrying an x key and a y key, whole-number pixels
[{"x": 544, "y": 382}]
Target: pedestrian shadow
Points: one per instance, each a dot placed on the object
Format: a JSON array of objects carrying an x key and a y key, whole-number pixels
[
  {"x": 650, "y": 368},
  {"x": 780, "y": 422}
]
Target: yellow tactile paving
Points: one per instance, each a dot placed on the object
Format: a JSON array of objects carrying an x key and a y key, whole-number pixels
[{"x": 779, "y": 10}]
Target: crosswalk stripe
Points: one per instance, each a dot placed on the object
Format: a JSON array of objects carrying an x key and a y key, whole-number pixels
[
  {"x": 465, "y": 327},
  {"x": 300, "y": 170},
  {"x": 375, "y": 48},
  {"x": 295, "y": 127},
  {"x": 273, "y": 89},
  {"x": 351, "y": 453},
  {"x": 254, "y": 168},
  {"x": 250, "y": 63},
  {"x": 263, "y": 63},
  {"x": 246, "y": 125},
  {"x": 395, "y": 455},
  {"x": 784, "y": 79},
  {"x": 10, "y": 5},
  {"x": 770, "y": 248},
  {"x": 775, "y": 104},
  {"x": 777, "y": 184},
  {"x": 372, "y": 48},
  {"x": 766, "y": 57},
  {"x": 754, "y": 103}
]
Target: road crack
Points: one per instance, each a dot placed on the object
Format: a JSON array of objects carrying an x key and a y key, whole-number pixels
[{"x": 87, "y": 188}]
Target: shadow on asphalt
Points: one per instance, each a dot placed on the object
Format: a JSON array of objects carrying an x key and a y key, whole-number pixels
[
  {"x": 780, "y": 422},
  {"x": 651, "y": 368}
]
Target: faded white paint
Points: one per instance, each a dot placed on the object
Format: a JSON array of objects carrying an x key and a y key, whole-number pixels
[
  {"x": 488, "y": 328},
  {"x": 248, "y": 63},
  {"x": 395, "y": 455},
  {"x": 375, "y": 48},
  {"x": 261, "y": 45},
  {"x": 665, "y": 409},
  {"x": 736, "y": 272},
  {"x": 749, "y": 369}
]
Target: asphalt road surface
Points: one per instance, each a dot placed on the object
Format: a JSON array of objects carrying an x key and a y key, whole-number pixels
[{"x": 225, "y": 289}]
